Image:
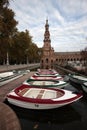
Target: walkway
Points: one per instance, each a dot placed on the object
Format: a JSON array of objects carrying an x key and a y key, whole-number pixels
[
  {"x": 13, "y": 84},
  {"x": 4, "y": 68},
  {"x": 8, "y": 118}
]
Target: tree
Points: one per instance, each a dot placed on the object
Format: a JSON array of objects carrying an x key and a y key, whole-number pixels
[
  {"x": 20, "y": 46},
  {"x": 17, "y": 44},
  {"x": 7, "y": 27},
  {"x": 32, "y": 53},
  {"x": 23, "y": 50}
]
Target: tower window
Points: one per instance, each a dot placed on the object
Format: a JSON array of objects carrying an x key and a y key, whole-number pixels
[
  {"x": 51, "y": 61},
  {"x": 46, "y": 60}
]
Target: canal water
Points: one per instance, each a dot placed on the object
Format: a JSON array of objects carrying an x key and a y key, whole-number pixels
[{"x": 70, "y": 117}]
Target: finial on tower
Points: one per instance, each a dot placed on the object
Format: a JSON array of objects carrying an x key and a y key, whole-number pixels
[{"x": 47, "y": 20}]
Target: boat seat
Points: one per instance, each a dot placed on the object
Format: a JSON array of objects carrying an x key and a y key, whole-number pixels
[
  {"x": 59, "y": 94},
  {"x": 39, "y": 96},
  {"x": 22, "y": 92}
]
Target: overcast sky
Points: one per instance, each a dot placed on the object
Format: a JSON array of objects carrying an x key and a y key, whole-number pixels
[{"x": 67, "y": 22}]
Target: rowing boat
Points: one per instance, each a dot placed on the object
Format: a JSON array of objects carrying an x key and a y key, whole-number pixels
[{"x": 41, "y": 98}]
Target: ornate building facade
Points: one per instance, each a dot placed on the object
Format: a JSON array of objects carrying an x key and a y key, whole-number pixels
[{"x": 49, "y": 57}]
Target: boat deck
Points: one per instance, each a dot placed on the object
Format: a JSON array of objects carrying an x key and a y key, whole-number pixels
[
  {"x": 80, "y": 77},
  {"x": 42, "y": 83},
  {"x": 40, "y": 93}
]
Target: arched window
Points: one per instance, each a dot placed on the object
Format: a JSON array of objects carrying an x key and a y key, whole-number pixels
[
  {"x": 52, "y": 67},
  {"x": 47, "y": 67},
  {"x": 51, "y": 61},
  {"x": 47, "y": 60},
  {"x": 42, "y": 61}
]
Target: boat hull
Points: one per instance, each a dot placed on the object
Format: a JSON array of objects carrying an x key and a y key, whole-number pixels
[
  {"x": 46, "y": 83},
  {"x": 35, "y": 98},
  {"x": 46, "y": 78},
  {"x": 46, "y": 75},
  {"x": 77, "y": 79},
  {"x": 84, "y": 87},
  {"x": 37, "y": 106}
]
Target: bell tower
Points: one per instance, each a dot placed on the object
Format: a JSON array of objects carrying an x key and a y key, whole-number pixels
[
  {"x": 48, "y": 52},
  {"x": 47, "y": 34}
]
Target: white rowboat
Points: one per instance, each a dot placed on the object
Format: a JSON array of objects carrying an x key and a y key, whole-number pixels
[{"x": 41, "y": 98}]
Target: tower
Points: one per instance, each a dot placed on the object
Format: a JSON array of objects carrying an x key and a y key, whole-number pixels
[{"x": 47, "y": 59}]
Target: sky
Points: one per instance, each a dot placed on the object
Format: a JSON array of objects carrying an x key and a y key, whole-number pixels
[{"x": 67, "y": 22}]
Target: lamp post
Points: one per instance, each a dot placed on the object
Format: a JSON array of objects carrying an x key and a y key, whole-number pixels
[
  {"x": 7, "y": 62},
  {"x": 27, "y": 61},
  {"x": 40, "y": 53}
]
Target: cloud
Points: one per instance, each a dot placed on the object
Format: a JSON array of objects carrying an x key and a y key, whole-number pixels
[{"x": 67, "y": 20}]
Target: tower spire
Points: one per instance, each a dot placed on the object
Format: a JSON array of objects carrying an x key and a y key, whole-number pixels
[
  {"x": 47, "y": 33},
  {"x": 47, "y": 21},
  {"x": 47, "y": 59}
]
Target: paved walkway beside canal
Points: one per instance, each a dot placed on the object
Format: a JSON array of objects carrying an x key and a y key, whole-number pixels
[
  {"x": 4, "y": 68},
  {"x": 13, "y": 84},
  {"x": 8, "y": 118}
]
